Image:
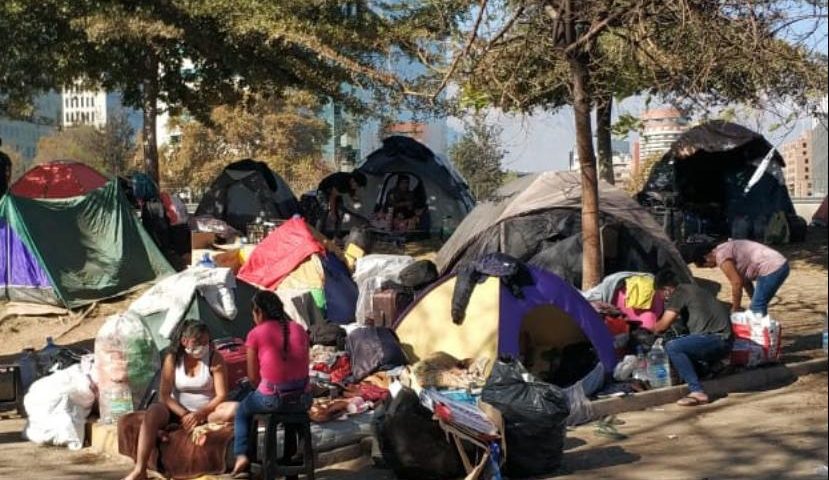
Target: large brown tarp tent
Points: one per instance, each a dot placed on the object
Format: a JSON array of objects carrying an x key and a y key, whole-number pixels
[{"x": 537, "y": 219}]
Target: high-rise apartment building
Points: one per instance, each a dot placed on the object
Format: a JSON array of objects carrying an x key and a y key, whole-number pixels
[
  {"x": 800, "y": 174},
  {"x": 660, "y": 128}
]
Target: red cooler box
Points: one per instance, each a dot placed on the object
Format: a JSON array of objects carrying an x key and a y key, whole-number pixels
[{"x": 234, "y": 352}]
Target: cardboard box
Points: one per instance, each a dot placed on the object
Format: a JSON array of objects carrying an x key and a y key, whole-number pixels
[{"x": 202, "y": 240}]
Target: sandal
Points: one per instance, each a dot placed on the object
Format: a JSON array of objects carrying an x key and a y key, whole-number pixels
[
  {"x": 245, "y": 474},
  {"x": 691, "y": 401}
]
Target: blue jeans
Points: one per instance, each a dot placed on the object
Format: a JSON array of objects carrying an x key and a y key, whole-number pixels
[
  {"x": 695, "y": 348},
  {"x": 765, "y": 288},
  {"x": 255, "y": 402}
]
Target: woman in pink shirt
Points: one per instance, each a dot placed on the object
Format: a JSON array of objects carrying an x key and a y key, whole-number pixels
[
  {"x": 745, "y": 262},
  {"x": 277, "y": 352}
]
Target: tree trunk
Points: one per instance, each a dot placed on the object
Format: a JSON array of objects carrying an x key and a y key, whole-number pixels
[
  {"x": 150, "y": 111},
  {"x": 604, "y": 110},
  {"x": 591, "y": 257}
]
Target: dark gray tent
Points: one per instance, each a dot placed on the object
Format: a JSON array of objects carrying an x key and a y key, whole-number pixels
[
  {"x": 537, "y": 219},
  {"x": 700, "y": 184},
  {"x": 443, "y": 191},
  {"x": 245, "y": 189}
]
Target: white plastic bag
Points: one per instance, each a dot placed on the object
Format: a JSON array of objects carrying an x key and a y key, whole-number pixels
[
  {"x": 757, "y": 339},
  {"x": 57, "y": 406},
  {"x": 624, "y": 369},
  {"x": 370, "y": 273}
]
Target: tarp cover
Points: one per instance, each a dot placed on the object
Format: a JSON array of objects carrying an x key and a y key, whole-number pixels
[
  {"x": 279, "y": 254},
  {"x": 90, "y": 247},
  {"x": 536, "y": 219}
]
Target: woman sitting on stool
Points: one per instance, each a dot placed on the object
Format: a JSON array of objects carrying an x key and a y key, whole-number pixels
[{"x": 277, "y": 351}]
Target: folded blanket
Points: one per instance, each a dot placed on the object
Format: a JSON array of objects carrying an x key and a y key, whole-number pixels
[{"x": 179, "y": 457}]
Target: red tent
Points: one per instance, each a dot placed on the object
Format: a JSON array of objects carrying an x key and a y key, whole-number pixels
[{"x": 58, "y": 179}]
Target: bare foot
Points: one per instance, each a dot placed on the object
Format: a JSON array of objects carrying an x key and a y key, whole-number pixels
[
  {"x": 242, "y": 465},
  {"x": 136, "y": 474}
]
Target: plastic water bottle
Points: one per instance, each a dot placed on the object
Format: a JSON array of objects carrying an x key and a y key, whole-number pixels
[
  {"x": 825, "y": 333},
  {"x": 659, "y": 367},
  {"x": 640, "y": 372},
  {"x": 206, "y": 261},
  {"x": 28, "y": 368}
]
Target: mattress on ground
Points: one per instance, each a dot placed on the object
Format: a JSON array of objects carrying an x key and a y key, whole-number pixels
[{"x": 330, "y": 435}]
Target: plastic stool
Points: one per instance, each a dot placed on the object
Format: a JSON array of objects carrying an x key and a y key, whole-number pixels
[{"x": 295, "y": 425}]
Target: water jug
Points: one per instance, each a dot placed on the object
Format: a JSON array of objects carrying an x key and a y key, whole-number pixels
[
  {"x": 659, "y": 367},
  {"x": 640, "y": 372}
]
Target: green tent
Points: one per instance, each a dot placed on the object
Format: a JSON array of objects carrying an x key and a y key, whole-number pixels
[{"x": 74, "y": 251}]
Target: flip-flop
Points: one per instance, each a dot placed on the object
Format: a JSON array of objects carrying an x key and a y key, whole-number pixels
[
  {"x": 691, "y": 401},
  {"x": 241, "y": 475}
]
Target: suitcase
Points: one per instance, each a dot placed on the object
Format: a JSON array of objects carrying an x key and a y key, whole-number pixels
[
  {"x": 234, "y": 352},
  {"x": 387, "y": 304}
]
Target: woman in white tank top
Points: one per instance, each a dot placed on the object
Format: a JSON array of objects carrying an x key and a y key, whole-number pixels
[{"x": 192, "y": 391}]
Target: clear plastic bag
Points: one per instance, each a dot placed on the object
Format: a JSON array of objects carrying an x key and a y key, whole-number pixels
[{"x": 126, "y": 360}]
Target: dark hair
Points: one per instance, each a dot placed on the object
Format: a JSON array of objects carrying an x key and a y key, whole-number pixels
[
  {"x": 190, "y": 328},
  {"x": 272, "y": 309},
  {"x": 359, "y": 178},
  {"x": 699, "y": 252},
  {"x": 666, "y": 278}
]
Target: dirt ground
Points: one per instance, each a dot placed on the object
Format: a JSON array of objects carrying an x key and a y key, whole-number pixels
[{"x": 774, "y": 434}]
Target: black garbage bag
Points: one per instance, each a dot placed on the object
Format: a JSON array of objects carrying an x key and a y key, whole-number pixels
[
  {"x": 412, "y": 444},
  {"x": 535, "y": 415}
]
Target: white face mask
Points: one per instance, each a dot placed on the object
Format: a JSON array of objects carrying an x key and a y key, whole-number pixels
[{"x": 197, "y": 352}]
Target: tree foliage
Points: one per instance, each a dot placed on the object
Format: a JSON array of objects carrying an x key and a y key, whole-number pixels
[
  {"x": 478, "y": 156},
  {"x": 287, "y": 134},
  {"x": 108, "y": 149},
  {"x": 195, "y": 55}
]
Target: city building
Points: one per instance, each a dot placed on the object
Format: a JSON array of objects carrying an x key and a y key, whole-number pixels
[
  {"x": 820, "y": 136},
  {"x": 660, "y": 127},
  {"x": 799, "y": 170},
  {"x": 70, "y": 107},
  {"x": 622, "y": 162}
]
